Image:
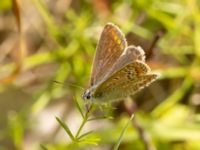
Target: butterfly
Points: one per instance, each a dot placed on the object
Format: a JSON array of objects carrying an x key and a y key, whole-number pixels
[{"x": 118, "y": 70}]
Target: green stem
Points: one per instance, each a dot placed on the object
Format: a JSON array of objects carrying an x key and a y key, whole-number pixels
[
  {"x": 79, "y": 130},
  {"x": 85, "y": 119}
]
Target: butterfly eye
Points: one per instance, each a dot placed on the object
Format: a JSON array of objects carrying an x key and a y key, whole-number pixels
[{"x": 87, "y": 95}]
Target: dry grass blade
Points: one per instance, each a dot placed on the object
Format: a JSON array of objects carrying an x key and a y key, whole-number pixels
[
  {"x": 16, "y": 10},
  {"x": 20, "y": 50}
]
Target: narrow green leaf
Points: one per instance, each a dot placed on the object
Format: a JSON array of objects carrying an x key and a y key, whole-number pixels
[
  {"x": 79, "y": 108},
  {"x": 66, "y": 128},
  {"x": 90, "y": 139},
  {"x": 43, "y": 147},
  {"x": 85, "y": 134},
  {"x": 101, "y": 117},
  {"x": 122, "y": 133}
]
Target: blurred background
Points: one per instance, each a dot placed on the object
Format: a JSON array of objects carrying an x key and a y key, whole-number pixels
[{"x": 46, "y": 53}]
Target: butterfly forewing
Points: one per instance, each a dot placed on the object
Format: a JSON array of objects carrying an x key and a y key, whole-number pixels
[
  {"x": 125, "y": 82},
  {"x": 111, "y": 45}
]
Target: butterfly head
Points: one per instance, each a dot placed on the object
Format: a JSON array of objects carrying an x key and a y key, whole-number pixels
[
  {"x": 91, "y": 94},
  {"x": 87, "y": 95}
]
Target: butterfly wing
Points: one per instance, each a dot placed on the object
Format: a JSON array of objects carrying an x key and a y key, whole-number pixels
[
  {"x": 130, "y": 54},
  {"x": 111, "y": 45},
  {"x": 125, "y": 82}
]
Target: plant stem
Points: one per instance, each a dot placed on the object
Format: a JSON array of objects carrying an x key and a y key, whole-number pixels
[{"x": 85, "y": 119}]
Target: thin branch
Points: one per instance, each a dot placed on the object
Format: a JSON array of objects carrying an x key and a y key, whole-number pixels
[{"x": 144, "y": 136}]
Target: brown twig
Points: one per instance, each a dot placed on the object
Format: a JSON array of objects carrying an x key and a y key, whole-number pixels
[
  {"x": 155, "y": 39},
  {"x": 144, "y": 136}
]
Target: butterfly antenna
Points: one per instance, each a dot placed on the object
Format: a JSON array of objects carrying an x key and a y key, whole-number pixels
[{"x": 70, "y": 84}]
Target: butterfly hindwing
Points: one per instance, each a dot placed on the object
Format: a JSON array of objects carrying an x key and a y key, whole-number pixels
[
  {"x": 125, "y": 82},
  {"x": 111, "y": 45},
  {"x": 130, "y": 54}
]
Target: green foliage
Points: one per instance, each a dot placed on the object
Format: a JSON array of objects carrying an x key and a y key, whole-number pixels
[
  {"x": 60, "y": 38},
  {"x": 122, "y": 134}
]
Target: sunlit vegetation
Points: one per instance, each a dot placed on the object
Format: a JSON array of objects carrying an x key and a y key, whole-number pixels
[{"x": 46, "y": 53}]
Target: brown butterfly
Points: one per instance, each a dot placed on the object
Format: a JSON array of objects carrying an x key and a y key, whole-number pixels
[{"x": 118, "y": 70}]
